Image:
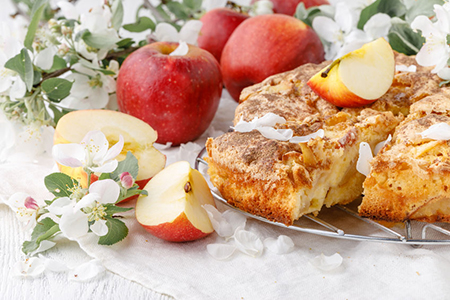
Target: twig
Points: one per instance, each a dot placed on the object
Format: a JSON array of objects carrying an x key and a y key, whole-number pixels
[{"x": 154, "y": 11}]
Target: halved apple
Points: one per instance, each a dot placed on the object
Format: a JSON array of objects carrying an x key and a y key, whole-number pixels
[
  {"x": 357, "y": 78},
  {"x": 138, "y": 138},
  {"x": 173, "y": 208}
]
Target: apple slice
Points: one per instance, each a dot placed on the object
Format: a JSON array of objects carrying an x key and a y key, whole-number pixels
[
  {"x": 359, "y": 77},
  {"x": 173, "y": 208},
  {"x": 138, "y": 137}
]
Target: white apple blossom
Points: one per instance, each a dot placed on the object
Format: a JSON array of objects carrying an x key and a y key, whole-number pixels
[
  {"x": 29, "y": 267},
  {"x": 92, "y": 153},
  {"x": 10, "y": 45},
  {"x": 213, "y": 4},
  {"x": 90, "y": 89},
  {"x": 25, "y": 207},
  {"x": 164, "y": 32},
  {"x": 436, "y": 51},
  {"x": 76, "y": 216},
  {"x": 342, "y": 35}
]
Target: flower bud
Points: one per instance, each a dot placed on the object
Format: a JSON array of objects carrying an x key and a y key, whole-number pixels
[
  {"x": 126, "y": 180},
  {"x": 30, "y": 203}
]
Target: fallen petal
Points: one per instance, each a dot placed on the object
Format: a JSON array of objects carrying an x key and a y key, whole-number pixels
[
  {"x": 275, "y": 134},
  {"x": 181, "y": 50},
  {"x": 220, "y": 251},
  {"x": 222, "y": 227},
  {"x": 304, "y": 139},
  {"x": 327, "y": 263},
  {"x": 30, "y": 267},
  {"x": 382, "y": 144},
  {"x": 364, "y": 159},
  {"x": 249, "y": 243},
  {"x": 43, "y": 246},
  {"x": 87, "y": 271},
  {"x": 53, "y": 265},
  {"x": 282, "y": 245},
  {"x": 440, "y": 132}
]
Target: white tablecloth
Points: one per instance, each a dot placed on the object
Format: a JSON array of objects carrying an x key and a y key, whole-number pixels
[{"x": 144, "y": 267}]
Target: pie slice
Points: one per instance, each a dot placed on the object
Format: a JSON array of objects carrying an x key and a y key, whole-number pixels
[{"x": 410, "y": 177}]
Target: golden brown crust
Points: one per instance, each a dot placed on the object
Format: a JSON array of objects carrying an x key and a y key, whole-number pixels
[{"x": 282, "y": 181}]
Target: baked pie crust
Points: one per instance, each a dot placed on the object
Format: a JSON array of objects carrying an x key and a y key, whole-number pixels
[{"x": 282, "y": 181}]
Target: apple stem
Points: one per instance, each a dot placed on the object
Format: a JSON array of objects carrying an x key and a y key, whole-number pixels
[
  {"x": 325, "y": 73},
  {"x": 187, "y": 187}
]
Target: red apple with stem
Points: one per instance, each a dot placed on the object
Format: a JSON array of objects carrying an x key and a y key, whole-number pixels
[
  {"x": 218, "y": 25},
  {"x": 266, "y": 45},
  {"x": 176, "y": 95}
]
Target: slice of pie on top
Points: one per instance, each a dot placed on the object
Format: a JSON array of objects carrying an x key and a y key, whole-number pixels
[{"x": 410, "y": 177}]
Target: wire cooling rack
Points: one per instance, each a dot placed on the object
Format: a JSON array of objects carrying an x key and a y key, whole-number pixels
[{"x": 344, "y": 222}]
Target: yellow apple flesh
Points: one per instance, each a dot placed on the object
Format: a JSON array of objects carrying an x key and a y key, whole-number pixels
[
  {"x": 173, "y": 208},
  {"x": 138, "y": 139},
  {"x": 359, "y": 77}
]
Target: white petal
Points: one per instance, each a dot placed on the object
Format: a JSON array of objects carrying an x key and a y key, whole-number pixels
[
  {"x": 181, "y": 50},
  {"x": 327, "y": 263},
  {"x": 403, "y": 68},
  {"x": 98, "y": 98},
  {"x": 43, "y": 246},
  {"x": 70, "y": 155},
  {"x": 344, "y": 17},
  {"x": 114, "y": 150},
  {"x": 17, "y": 200},
  {"x": 96, "y": 144},
  {"x": 243, "y": 126},
  {"x": 68, "y": 10},
  {"x": 249, "y": 243},
  {"x": 219, "y": 223},
  {"x": 444, "y": 73},
  {"x": 282, "y": 245},
  {"x": 326, "y": 28},
  {"x": 364, "y": 159},
  {"x": 44, "y": 59},
  {"x": 99, "y": 228},
  {"x": 382, "y": 144},
  {"x": 212, "y": 4},
  {"x": 87, "y": 271},
  {"x": 425, "y": 25},
  {"x": 165, "y": 146},
  {"x": 60, "y": 206},
  {"x": 105, "y": 168},
  {"x": 378, "y": 26},
  {"x": 433, "y": 54},
  {"x": 189, "y": 32},
  {"x": 276, "y": 134},
  {"x": 30, "y": 267},
  {"x": 87, "y": 200},
  {"x": 188, "y": 152},
  {"x": 165, "y": 32},
  {"x": 235, "y": 219},
  {"x": 18, "y": 89},
  {"x": 270, "y": 120},
  {"x": 108, "y": 190},
  {"x": 220, "y": 251},
  {"x": 74, "y": 224},
  {"x": 53, "y": 265},
  {"x": 304, "y": 139},
  {"x": 440, "y": 132}
]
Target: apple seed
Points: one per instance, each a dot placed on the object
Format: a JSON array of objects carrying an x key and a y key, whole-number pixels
[{"x": 187, "y": 187}]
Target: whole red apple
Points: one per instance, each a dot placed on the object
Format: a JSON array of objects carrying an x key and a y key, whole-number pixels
[
  {"x": 266, "y": 45},
  {"x": 288, "y": 7},
  {"x": 177, "y": 96},
  {"x": 218, "y": 25}
]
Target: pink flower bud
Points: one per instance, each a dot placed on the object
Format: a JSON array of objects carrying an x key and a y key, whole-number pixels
[
  {"x": 30, "y": 203},
  {"x": 126, "y": 180}
]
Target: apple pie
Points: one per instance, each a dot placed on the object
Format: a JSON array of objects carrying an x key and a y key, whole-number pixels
[{"x": 282, "y": 181}]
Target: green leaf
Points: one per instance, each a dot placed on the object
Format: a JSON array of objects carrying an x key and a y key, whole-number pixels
[
  {"x": 193, "y": 4},
  {"x": 129, "y": 164},
  {"x": 104, "y": 176},
  {"x": 60, "y": 184},
  {"x": 44, "y": 230},
  {"x": 393, "y": 8},
  {"x": 125, "y": 43},
  {"x": 425, "y": 8},
  {"x": 37, "y": 76},
  {"x": 117, "y": 14},
  {"x": 403, "y": 39},
  {"x": 178, "y": 10},
  {"x": 56, "y": 89},
  {"x": 98, "y": 41},
  {"x": 112, "y": 209},
  {"x": 36, "y": 13},
  {"x": 142, "y": 24},
  {"x": 21, "y": 63},
  {"x": 367, "y": 13},
  {"x": 307, "y": 15},
  {"x": 58, "y": 64},
  {"x": 117, "y": 231},
  {"x": 163, "y": 13}
]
